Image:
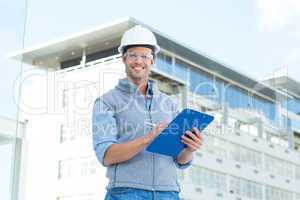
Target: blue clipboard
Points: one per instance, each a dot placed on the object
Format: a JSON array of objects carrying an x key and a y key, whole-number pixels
[{"x": 168, "y": 141}]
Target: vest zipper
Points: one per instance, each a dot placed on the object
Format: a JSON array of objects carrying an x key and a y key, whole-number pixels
[{"x": 153, "y": 155}]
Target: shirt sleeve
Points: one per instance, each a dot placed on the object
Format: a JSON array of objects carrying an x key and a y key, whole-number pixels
[
  {"x": 182, "y": 166},
  {"x": 104, "y": 128}
]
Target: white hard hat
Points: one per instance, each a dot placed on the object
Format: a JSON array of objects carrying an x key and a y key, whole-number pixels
[{"x": 138, "y": 35}]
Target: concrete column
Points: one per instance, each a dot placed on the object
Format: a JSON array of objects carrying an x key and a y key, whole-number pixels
[{"x": 83, "y": 58}]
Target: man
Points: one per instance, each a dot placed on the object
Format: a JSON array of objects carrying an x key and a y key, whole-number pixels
[{"x": 120, "y": 135}]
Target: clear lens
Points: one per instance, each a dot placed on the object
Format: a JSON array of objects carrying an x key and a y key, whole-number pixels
[{"x": 135, "y": 56}]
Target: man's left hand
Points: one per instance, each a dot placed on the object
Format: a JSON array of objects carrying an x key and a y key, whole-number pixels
[{"x": 193, "y": 140}]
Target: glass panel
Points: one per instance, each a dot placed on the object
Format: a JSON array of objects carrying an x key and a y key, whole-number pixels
[
  {"x": 295, "y": 125},
  {"x": 202, "y": 83},
  {"x": 265, "y": 107},
  {"x": 278, "y": 166},
  {"x": 292, "y": 105},
  {"x": 245, "y": 155},
  {"x": 277, "y": 194},
  {"x": 164, "y": 63},
  {"x": 65, "y": 169},
  {"x": 215, "y": 146},
  {"x": 243, "y": 187},
  {"x": 181, "y": 69},
  {"x": 237, "y": 97},
  {"x": 286, "y": 122},
  {"x": 77, "y": 167},
  {"x": 208, "y": 178},
  {"x": 88, "y": 166}
]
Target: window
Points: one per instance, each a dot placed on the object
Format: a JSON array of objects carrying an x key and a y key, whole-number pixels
[
  {"x": 208, "y": 178},
  {"x": 264, "y": 106},
  {"x": 101, "y": 54},
  {"x": 289, "y": 123},
  {"x": 245, "y": 188},
  {"x": 292, "y": 105},
  {"x": 224, "y": 149},
  {"x": 201, "y": 83},
  {"x": 88, "y": 166},
  {"x": 64, "y": 98},
  {"x": 279, "y": 141},
  {"x": 231, "y": 125},
  {"x": 245, "y": 155},
  {"x": 214, "y": 129},
  {"x": 77, "y": 168},
  {"x": 237, "y": 97},
  {"x": 277, "y": 194},
  {"x": 295, "y": 125},
  {"x": 164, "y": 63},
  {"x": 181, "y": 69},
  {"x": 89, "y": 57},
  {"x": 215, "y": 146},
  {"x": 63, "y": 133},
  {"x": 72, "y": 131},
  {"x": 278, "y": 166},
  {"x": 65, "y": 169},
  {"x": 67, "y": 133},
  {"x": 253, "y": 130},
  {"x": 286, "y": 122}
]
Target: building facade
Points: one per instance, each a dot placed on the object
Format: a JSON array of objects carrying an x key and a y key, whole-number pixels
[
  {"x": 12, "y": 145},
  {"x": 251, "y": 151}
]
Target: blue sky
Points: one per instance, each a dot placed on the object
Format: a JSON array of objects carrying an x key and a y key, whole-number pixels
[{"x": 253, "y": 36}]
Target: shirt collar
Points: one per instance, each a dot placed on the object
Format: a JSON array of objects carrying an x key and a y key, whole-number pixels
[{"x": 127, "y": 86}]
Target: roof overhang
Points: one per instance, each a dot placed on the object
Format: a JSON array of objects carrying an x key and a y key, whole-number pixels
[
  {"x": 50, "y": 54},
  {"x": 285, "y": 83}
]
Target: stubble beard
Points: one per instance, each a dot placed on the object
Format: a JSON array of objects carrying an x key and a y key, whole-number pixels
[{"x": 137, "y": 79}]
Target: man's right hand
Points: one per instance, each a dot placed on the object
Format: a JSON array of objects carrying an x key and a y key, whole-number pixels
[
  {"x": 156, "y": 130},
  {"x": 121, "y": 152}
]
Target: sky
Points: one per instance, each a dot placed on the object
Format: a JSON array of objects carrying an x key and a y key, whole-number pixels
[{"x": 255, "y": 37}]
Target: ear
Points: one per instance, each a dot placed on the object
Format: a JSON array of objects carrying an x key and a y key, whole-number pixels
[
  {"x": 123, "y": 59},
  {"x": 153, "y": 61}
]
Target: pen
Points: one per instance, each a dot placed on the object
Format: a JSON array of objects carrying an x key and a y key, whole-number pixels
[{"x": 149, "y": 124}]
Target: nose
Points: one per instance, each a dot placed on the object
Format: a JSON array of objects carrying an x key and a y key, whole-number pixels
[{"x": 138, "y": 59}]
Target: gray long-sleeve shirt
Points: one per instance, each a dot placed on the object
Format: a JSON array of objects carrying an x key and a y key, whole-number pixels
[{"x": 119, "y": 116}]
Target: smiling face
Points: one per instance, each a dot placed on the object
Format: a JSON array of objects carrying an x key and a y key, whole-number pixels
[{"x": 138, "y": 62}]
